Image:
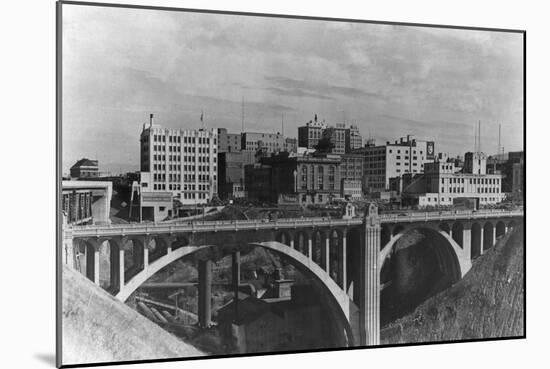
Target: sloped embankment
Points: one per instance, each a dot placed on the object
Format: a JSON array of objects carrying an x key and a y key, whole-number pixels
[
  {"x": 488, "y": 302},
  {"x": 99, "y": 328}
]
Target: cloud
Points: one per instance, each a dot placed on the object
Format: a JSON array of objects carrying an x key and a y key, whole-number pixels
[{"x": 121, "y": 64}]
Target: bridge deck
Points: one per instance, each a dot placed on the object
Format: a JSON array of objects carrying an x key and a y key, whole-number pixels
[{"x": 290, "y": 223}]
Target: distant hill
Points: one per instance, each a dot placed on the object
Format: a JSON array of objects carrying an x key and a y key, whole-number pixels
[
  {"x": 488, "y": 302},
  {"x": 99, "y": 328}
]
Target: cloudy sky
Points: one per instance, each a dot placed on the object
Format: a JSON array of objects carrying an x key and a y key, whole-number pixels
[{"x": 119, "y": 65}]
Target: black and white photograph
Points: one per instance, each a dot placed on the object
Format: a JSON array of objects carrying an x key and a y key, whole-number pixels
[{"x": 237, "y": 184}]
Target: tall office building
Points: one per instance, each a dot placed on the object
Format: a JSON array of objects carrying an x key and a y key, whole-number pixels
[
  {"x": 310, "y": 134},
  {"x": 407, "y": 155},
  {"x": 228, "y": 142},
  {"x": 337, "y": 136},
  {"x": 267, "y": 142},
  {"x": 353, "y": 138},
  {"x": 180, "y": 161}
]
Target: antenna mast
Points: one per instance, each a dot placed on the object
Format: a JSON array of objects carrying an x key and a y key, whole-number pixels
[
  {"x": 498, "y": 150},
  {"x": 479, "y": 136},
  {"x": 282, "y": 124},
  {"x": 242, "y": 115}
]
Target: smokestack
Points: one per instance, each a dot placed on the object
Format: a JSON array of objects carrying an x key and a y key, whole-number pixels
[{"x": 150, "y": 120}]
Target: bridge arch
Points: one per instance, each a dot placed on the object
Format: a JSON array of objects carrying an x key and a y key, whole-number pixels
[
  {"x": 416, "y": 268},
  {"x": 344, "y": 311},
  {"x": 500, "y": 229},
  {"x": 449, "y": 252}
]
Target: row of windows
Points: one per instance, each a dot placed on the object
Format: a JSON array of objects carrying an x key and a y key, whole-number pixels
[
  {"x": 406, "y": 151},
  {"x": 493, "y": 181},
  {"x": 414, "y": 164},
  {"x": 191, "y": 196},
  {"x": 483, "y": 199},
  {"x": 479, "y": 190},
  {"x": 177, "y": 139}
]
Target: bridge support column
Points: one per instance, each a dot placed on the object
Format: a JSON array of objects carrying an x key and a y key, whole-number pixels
[
  {"x": 292, "y": 243},
  {"x": 236, "y": 279},
  {"x": 342, "y": 262},
  {"x": 369, "y": 303},
  {"x": 467, "y": 242},
  {"x": 68, "y": 253},
  {"x": 120, "y": 269},
  {"x": 309, "y": 247},
  {"x": 96, "y": 264},
  {"x": 145, "y": 256},
  {"x": 114, "y": 266},
  {"x": 494, "y": 232},
  {"x": 325, "y": 257},
  {"x": 205, "y": 292},
  {"x": 481, "y": 241}
]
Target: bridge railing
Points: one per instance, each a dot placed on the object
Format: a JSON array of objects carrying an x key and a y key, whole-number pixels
[{"x": 285, "y": 223}]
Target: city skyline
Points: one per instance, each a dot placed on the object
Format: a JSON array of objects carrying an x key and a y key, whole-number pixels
[{"x": 389, "y": 80}]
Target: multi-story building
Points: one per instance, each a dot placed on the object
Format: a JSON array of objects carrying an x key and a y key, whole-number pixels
[
  {"x": 291, "y": 144},
  {"x": 442, "y": 184},
  {"x": 352, "y": 166},
  {"x": 337, "y": 136},
  {"x": 351, "y": 189},
  {"x": 231, "y": 173},
  {"x": 311, "y": 179},
  {"x": 406, "y": 155},
  {"x": 518, "y": 180},
  {"x": 353, "y": 139},
  {"x": 85, "y": 168},
  {"x": 504, "y": 164},
  {"x": 180, "y": 161},
  {"x": 268, "y": 142},
  {"x": 310, "y": 134},
  {"x": 343, "y": 139},
  {"x": 228, "y": 142}
]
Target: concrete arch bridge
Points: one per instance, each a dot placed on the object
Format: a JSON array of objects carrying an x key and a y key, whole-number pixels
[{"x": 344, "y": 257}]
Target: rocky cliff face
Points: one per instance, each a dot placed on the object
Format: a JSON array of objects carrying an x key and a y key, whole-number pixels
[{"x": 97, "y": 328}]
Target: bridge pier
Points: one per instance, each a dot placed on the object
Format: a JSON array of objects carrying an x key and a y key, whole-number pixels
[
  {"x": 236, "y": 279},
  {"x": 369, "y": 304},
  {"x": 309, "y": 247},
  {"x": 205, "y": 292}
]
